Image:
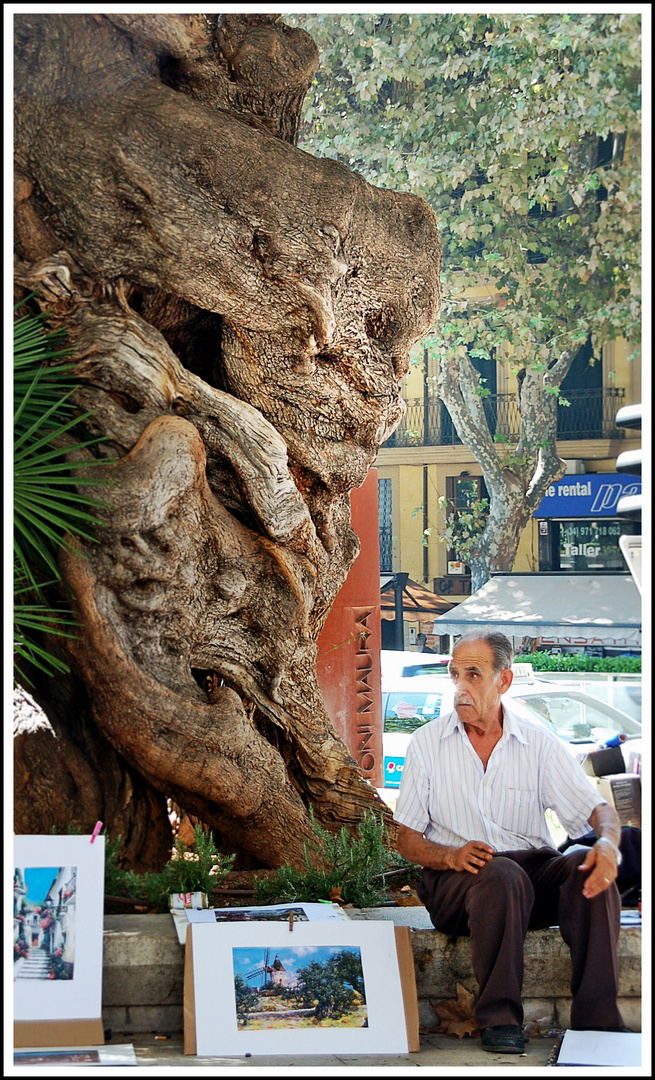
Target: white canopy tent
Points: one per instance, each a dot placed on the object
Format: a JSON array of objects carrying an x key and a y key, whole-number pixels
[{"x": 560, "y": 609}]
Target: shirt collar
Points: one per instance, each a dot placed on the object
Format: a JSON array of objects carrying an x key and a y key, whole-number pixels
[{"x": 511, "y": 724}]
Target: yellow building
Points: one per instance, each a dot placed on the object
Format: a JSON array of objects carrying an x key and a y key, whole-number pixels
[{"x": 424, "y": 461}]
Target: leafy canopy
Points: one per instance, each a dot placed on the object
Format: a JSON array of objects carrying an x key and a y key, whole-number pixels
[{"x": 522, "y": 132}]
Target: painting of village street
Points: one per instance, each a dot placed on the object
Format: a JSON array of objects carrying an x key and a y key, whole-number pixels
[
  {"x": 44, "y": 922},
  {"x": 305, "y": 987}
]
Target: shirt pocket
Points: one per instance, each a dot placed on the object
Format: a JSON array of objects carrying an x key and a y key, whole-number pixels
[{"x": 518, "y": 812}]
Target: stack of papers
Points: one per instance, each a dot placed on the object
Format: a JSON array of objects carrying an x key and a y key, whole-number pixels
[
  {"x": 591, "y": 1048},
  {"x": 630, "y": 917},
  {"x": 76, "y": 1055}
]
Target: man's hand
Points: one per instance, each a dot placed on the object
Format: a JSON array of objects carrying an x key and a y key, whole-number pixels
[
  {"x": 601, "y": 861},
  {"x": 414, "y": 847},
  {"x": 471, "y": 857}
]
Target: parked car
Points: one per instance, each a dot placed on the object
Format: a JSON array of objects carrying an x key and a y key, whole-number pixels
[
  {"x": 395, "y": 664},
  {"x": 578, "y": 718}
]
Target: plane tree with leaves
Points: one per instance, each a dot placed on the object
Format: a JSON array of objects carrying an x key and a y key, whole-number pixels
[{"x": 522, "y": 132}]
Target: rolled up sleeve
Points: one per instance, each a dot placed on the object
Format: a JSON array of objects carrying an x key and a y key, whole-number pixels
[{"x": 569, "y": 792}]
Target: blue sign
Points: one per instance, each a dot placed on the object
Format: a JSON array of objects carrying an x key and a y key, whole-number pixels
[
  {"x": 592, "y": 495},
  {"x": 393, "y": 771}
]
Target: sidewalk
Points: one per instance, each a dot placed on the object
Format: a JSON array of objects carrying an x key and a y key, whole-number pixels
[{"x": 437, "y": 1052}]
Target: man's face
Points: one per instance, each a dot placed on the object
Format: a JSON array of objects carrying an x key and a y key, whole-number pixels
[{"x": 477, "y": 686}]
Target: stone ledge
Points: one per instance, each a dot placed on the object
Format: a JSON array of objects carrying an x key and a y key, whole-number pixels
[
  {"x": 143, "y": 970},
  {"x": 440, "y": 962}
]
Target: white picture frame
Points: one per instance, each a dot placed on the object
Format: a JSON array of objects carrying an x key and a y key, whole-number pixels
[
  {"x": 74, "y": 907},
  {"x": 221, "y": 951}
]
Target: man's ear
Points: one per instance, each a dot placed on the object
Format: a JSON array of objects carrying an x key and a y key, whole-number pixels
[{"x": 505, "y": 680}]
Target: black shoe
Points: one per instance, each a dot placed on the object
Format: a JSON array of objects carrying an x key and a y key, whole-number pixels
[{"x": 503, "y": 1039}]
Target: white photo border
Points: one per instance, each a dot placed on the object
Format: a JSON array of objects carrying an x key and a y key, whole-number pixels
[
  {"x": 217, "y": 1034},
  {"x": 81, "y": 997}
]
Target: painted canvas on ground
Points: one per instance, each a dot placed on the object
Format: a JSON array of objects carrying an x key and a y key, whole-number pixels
[
  {"x": 58, "y": 887},
  {"x": 269, "y": 913},
  {"x": 119, "y": 1054},
  {"x": 322, "y": 988}
]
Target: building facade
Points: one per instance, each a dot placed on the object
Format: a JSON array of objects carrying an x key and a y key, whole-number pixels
[{"x": 575, "y": 528}]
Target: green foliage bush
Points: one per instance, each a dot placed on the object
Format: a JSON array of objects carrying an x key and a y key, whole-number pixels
[
  {"x": 625, "y": 665},
  {"x": 197, "y": 870},
  {"x": 355, "y": 864}
]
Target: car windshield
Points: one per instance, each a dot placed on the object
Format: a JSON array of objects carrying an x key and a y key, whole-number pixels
[
  {"x": 578, "y": 719},
  {"x": 429, "y": 667},
  {"x": 407, "y": 712}
]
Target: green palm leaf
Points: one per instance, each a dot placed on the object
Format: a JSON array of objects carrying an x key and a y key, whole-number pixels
[
  {"x": 48, "y": 510},
  {"x": 31, "y": 621}
]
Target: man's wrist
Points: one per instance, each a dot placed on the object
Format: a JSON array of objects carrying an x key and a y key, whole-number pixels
[{"x": 617, "y": 851}]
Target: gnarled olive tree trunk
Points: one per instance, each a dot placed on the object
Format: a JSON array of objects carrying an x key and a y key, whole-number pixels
[{"x": 240, "y": 315}]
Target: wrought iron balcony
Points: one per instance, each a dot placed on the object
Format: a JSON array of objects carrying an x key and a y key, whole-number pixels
[{"x": 590, "y": 415}]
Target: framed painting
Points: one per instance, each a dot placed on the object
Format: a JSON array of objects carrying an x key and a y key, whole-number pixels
[
  {"x": 328, "y": 987},
  {"x": 57, "y": 939}
]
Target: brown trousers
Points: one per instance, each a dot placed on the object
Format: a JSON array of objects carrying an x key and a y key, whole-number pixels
[{"x": 517, "y": 891}]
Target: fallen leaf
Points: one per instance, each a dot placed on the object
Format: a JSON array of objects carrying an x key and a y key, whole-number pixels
[
  {"x": 457, "y": 1015},
  {"x": 460, "y": 1028}
]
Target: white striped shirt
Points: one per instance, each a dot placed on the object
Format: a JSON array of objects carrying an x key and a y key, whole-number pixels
[{"x": 446, "y": 794}]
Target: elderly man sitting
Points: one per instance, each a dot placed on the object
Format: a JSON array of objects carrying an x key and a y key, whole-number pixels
[{"x": 471, "y": 811}]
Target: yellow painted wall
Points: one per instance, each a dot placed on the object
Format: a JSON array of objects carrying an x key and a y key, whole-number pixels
[{"x": 407, "y": 520}]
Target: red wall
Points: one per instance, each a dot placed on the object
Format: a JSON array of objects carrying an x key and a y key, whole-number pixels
[{"x": 349, "y": 644}]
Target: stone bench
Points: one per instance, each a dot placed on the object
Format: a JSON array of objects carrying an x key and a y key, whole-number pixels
[{"x": 143, "y": 971}]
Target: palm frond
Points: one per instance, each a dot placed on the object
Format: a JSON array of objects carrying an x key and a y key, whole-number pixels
[
  {"x": 34, "y": 616},
  {"x": 49, "y": 511}
]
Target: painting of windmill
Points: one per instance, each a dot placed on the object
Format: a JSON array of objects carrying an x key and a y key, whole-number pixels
[
  {"x": 304, "y": 986},
  {"x": 272, "y": 975}
]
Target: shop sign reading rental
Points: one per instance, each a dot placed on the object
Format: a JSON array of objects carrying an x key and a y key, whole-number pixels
[{"x": 594, "y": 495}]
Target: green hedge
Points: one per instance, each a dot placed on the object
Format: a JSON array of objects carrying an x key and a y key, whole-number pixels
[{"x": 626, "y": 665}]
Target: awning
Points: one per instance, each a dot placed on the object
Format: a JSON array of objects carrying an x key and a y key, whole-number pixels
[
  {"x": 418, "y": 602},
  {"x": 561, "y": 609}
]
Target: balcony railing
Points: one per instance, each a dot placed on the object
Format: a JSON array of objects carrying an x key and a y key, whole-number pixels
[{"x": 590, "y": 415}]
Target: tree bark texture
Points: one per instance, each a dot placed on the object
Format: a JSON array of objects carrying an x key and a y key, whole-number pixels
[{"x": 240, "y": 315}]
